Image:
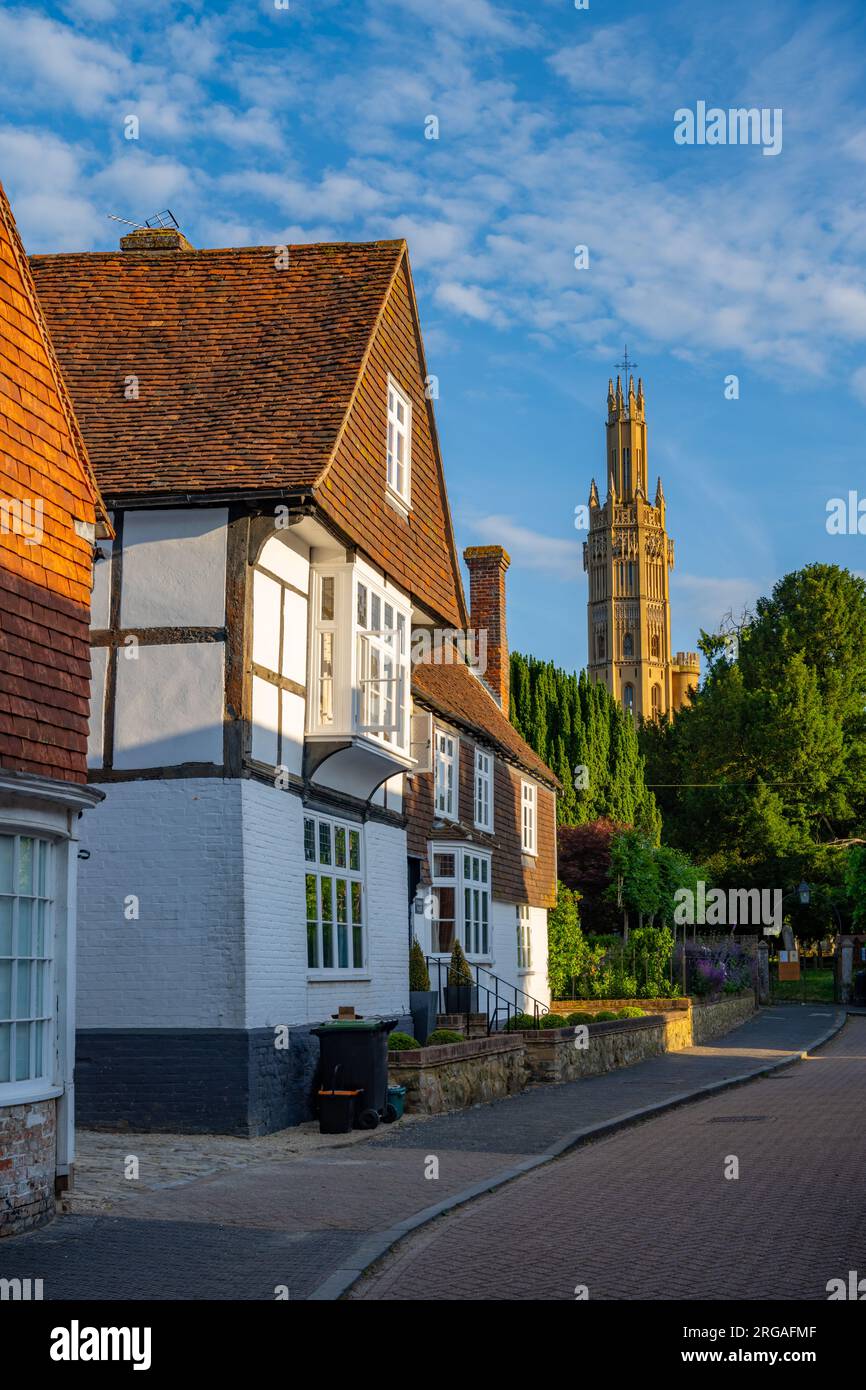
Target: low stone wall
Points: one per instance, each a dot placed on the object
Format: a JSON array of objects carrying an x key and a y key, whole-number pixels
[
  {"x": 710, "y": 1021},
  {"x": 457, "y": 1075},
  {"x": 27, "y": 1166},
  {"x": 556, "y": 1054}
]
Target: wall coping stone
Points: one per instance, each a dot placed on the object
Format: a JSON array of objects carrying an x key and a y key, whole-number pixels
[{"x": 444, "y": 1053}]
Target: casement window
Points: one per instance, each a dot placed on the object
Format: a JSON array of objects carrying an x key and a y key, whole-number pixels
[
  {"x": 399, "y": 443},
  {"x": 445, "y": 775},
  {"x": 529, "y": 807},
  {"x": 27, "y": 1022},
  {"x": 335, "y": 894},
  {"x": 524, "y": 940},
  {"x": 359, "y": 659},
  {"x": 483, "y": 790},
  {"x": 461, "y": 900}
]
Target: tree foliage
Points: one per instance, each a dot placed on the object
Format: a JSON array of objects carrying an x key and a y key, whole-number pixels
[{"x": 573, "y": 723}]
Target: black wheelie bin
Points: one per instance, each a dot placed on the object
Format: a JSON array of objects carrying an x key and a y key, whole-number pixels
[{"x": 354, "y": 1055}]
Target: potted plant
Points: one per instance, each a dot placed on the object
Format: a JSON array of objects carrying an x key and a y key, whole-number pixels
[
  {"x": 461, "y": 996},
  {"x": 422, "y": 999}
]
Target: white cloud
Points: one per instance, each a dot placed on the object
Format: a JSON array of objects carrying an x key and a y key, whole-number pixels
[
  {"x": 702, "y": 602},
  {"x": 83, "y": 72},
  {"x": 530, "y": 549},
  {"x": 470, "y": 300}
]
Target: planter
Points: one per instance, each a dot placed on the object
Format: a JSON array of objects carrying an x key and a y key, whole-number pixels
[
  {"x": 461, "y": 999},
  {"x": 423, "y": 1008}
]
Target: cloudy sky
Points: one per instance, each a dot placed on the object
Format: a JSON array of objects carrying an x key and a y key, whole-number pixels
[{"x": 261, "y": 125}]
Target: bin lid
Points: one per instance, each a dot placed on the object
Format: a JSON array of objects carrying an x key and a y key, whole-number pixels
[{"x": 356, "y": 1025}]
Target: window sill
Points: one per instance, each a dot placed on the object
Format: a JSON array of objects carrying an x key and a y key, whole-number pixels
[
  {"x": 328, "y": 977},
  {"x": 483, "y": 829},
  {"x": 28, "y": 1092},
  {"x": 398, "y": 503}
]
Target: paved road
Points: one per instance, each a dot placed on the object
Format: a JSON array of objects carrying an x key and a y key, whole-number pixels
[
  {"x": 242, "y": 1233},
  {"x": 648, "y": 1213}
]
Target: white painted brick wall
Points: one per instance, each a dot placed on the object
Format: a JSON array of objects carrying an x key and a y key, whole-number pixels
[
  {"x": 176, "y": 844},
  {"x": 218, "y": 868}
]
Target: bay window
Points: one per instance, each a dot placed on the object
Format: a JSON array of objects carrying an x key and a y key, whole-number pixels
[
  {"x": 461, "y": 880},
  {"x": 26, "y": 960},
  {"x": 334, "y": 894},
  {"x": 359, "y": 681}
]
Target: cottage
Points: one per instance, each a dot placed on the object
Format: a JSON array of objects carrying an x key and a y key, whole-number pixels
[
  {"x": 262, "y": 429},
  {"x": 49, "y": 512}
]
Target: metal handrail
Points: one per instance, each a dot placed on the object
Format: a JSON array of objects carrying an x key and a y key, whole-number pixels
[{"x": 498, "y": 989}]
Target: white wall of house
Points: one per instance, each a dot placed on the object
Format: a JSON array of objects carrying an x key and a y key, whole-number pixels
[
  {"x": 176, "y": 846},
  {"x": 169, "y": 705},
  {"x": 174, "y": 568}
]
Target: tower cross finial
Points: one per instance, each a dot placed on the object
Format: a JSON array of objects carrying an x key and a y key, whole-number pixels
[{"x": 626, "y": 364}]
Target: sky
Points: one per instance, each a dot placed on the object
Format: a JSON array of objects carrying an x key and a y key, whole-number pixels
[{"x": 273, "y": 121}]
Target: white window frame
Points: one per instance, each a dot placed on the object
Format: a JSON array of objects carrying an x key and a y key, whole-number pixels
[
  {"x": 328, "y": 830},
  {"x": 483, "y": 790},
  {"x": 446, "y": 775},
  {"x": 370, "y": 661},
  {"x": 42, "y": 1021},
  {"x": 529, "y": 817},
  {"x": 524, "y": 939},
  {"x": 399, "y": 470},
  {"x": 472, "y": 882}
]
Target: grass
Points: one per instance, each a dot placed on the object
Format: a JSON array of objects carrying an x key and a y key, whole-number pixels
[{"x": 816, "y": 985}]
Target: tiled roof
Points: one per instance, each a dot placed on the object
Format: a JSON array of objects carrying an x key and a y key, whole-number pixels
[
  {"x": 202, "y": 372},
  {"x": 45, "y": 566},
  {"x": 244, "y": 371},
  {"x": 451, "y": 689}
]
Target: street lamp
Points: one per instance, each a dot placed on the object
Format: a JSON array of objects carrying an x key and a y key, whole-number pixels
[{"x": 805, "y": 893}]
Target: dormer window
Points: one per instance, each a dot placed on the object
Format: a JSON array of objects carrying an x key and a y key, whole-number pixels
[{"x": 399, "y": 444}]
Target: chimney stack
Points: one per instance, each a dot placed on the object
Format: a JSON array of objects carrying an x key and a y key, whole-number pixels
[
  {"x": 155, "y": 239},
  {"x": 487, "y": 565}
]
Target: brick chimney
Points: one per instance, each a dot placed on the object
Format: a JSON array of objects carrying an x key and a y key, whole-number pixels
[
  {"x": 155, "y": 239},
  {"x": 487, "y": 565}
]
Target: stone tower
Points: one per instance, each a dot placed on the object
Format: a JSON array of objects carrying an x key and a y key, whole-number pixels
[{"x": 628, "y": 558}]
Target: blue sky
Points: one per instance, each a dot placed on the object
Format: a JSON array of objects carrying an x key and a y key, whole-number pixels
[{"x": 264, "y": 125}]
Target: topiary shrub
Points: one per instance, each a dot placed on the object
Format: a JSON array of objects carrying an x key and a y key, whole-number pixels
[
  {"x": 551, "y": 1021},
  {"x": 401, "y": 1042},
  {"x": 520, "y": 1023},
  {"x": 631, "y": 1011},
  {"x": 604, "y": 1014},
  {"x": 579, "y": 1017},
  {"x": 444, "y": 1035},
  {"x": 458, "y": 968},
  {"x": 419, "y": 975}
]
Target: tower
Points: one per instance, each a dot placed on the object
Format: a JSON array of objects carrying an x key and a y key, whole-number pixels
[{"x": 628, "y": 557}]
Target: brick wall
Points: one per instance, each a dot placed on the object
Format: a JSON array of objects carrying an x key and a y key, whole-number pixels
[
  {"x": 487, "y": 565},
  {"x": 27, "y": 1163},
  {"x": 517, "y": 877}
]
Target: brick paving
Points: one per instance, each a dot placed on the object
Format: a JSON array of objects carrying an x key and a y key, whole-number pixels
[
  {"x": 648, "y": 1213},
  {"x": 204, "y": 1224}
]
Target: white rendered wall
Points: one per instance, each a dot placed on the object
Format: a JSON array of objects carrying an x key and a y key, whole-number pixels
[
  {"x": 98, "y": 669},
  {"x": 169, "y": 705},
  {"x": 174, "y": 568},
  {"x": 176, "y": 845}
]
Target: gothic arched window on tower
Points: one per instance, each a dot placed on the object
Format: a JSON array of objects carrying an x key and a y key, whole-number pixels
[
  {"x": 631, "y": 576},
  {"x": 626, "y": 472},
  {"x": 655, "y": 648},
  {"x": 657, "y": 699},
  {"x": 628, "y": 699},
  {"x": 599, "y": 646},
  {"x": 628, "y": 645}
]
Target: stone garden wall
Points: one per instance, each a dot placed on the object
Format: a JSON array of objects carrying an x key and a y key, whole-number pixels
[{"x": 455, "y": 1076}]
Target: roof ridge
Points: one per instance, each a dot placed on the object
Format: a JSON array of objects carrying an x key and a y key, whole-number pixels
[{"x": 162, "y": 257}]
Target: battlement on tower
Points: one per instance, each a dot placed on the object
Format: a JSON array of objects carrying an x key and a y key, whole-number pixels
[{"x": 688, "y": 661}]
